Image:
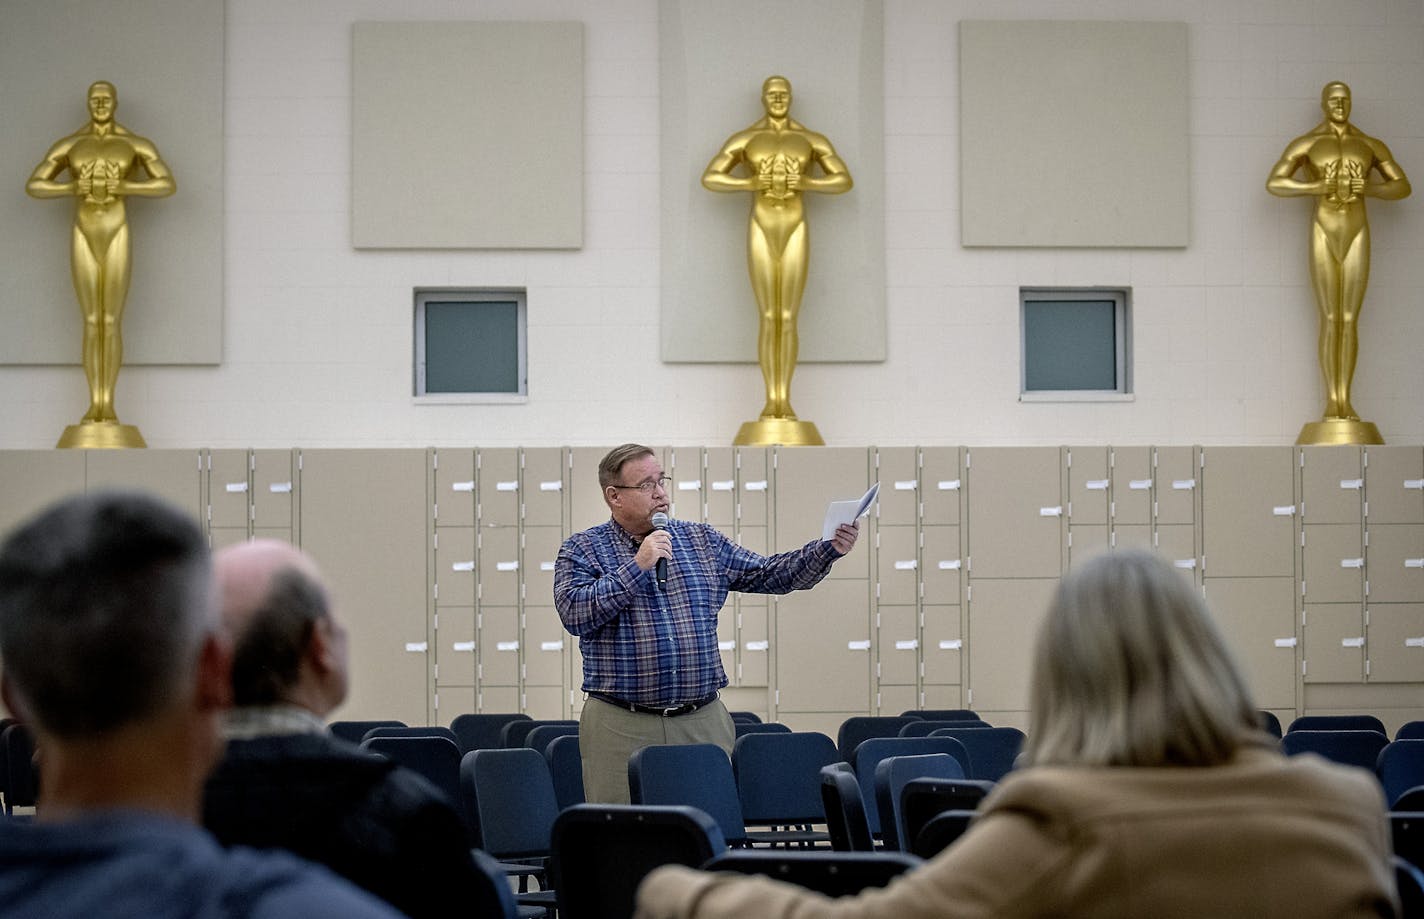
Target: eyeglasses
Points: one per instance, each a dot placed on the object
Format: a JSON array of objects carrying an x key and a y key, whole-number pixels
[{"x": 646, "y": 488}]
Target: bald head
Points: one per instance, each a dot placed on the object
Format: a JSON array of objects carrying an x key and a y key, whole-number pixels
[{"x": 287, "y": 647}]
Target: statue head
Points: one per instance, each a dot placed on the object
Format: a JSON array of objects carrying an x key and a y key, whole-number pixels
[
  {"x": 1335, "y": 102},
  {"x": 776, "y": 96},
  {"x": 103, "y": 99}
]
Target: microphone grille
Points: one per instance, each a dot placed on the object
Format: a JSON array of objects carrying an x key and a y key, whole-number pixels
[{"x": 660, "y": 520}]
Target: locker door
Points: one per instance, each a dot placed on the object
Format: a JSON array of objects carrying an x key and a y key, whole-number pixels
[
  {"x": 500, "y": 495},
  {"x": 455, "y": 578},
  {"x": 455, "y": 647},
  {"x": 1177, "y": 544},
  {"x": 1131, "y": 536},
  {"x": 586, "y": 505},
  {"x": 1248, "y": 512},
  {"x": 1089, "y": 484},
  {"x": 366, "y": 520},
  {"x": 1333, "y": 564},
  {"x": 229, "y": 489},
  {"x": 897, "y": 566},
  {"x": 1004, "y": 617},
  {"x": 807, "y": 479},
  {"x": 897, "y": 471},
  {"x": 33, "y": 479},
  {"x": 1334, "y": 640},
  {"x": 943, "y": 565},
  {"x": 541, "y": 549},
  {"x": 689, "y": 487},
  {"x": 1332, "y": 485},
  {"x": 1257, "y": 618},
  {"x": 1084, "y": 542},
  {"x": 754, "y": 486},
  {"x": 274, "y": 483},
  {"x": 543, "y": 484},
  {"x": 1174, "y": 492},
  {"x": 498, "y": 646},
  {"x": 1132, "y": 483},
  {"x": 1394, "y": 484},
  {"x": 941, "y": 484},
  {"x": 1016, "y": 510},
  {"x": 498, "y": 566},
  {"x": 719, "y": 488},
  {"x": 175, "y": 475},
  {"x": 1396, "y": 643},
  {"x": 1395, "y": 559},
  {"x": 898, "y": 646},
  {"x": 454, "y": 488},
  {"x": 823, "y": 640},
  {"x": 754, "y": 649},
  {"x": 546, "y": 647},
  {"x": 943, "y": 650}
]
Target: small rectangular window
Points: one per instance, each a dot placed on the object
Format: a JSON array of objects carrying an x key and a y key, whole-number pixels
[
  {"x": 470, "y": 345},
  {"x": 1076, "y": 344}
]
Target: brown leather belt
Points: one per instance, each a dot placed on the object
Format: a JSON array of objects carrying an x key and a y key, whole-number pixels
[{"x": 665, "y": 711}]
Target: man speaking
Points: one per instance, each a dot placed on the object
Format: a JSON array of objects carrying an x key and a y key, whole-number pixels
[{"x": 650, "y": 663}]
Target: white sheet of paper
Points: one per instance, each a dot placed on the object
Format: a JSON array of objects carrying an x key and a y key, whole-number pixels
[{"x": 839, "y": 512}]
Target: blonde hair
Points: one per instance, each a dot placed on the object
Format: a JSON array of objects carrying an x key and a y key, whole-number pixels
[{"x": 1129, "y": 670}]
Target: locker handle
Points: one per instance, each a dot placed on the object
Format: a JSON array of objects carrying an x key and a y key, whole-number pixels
[
  {"x": 236, "y": 488},
  {"x": 463, "y": 566},
  {"x": 1284, "y": 510},
  {"x": 1352, "y": 484},
  {"x": 1184, "y": 484},
  {"x": 463, "y": 486},
  {"x": 756, "y": 486},
  {"x": 1357, "y": 642},
  {"x": 949, "y": 485},
  {"x": 1414, "y": 563},
  {"x": 906, "y": 564},
  {"x": 1414, "y": 642},
  {"x": 1285, "y": 642},
  {"x": 280, "y": 488},
  {"x": 1096, "y": 485},
  {"x": 1139, "y": 484},
  {"x": 726, "y": 646},
  {"x": 506, "y": 486},
  {"x": 1352, "y": 563},
  {"x": 506, "y": 566},
  {"x": 462, "y": 646},
  {"x": 1051, "y": 511},
  {"x": 546, "y": 566},
  {"x": 909, "y": 645},
  {"x": 506, "y": 646},
  {"x": 551, "y": 646},
  {"x": 952, "y": 644},
  {"x": 1414, "y": 484},
  {"x": 551, "y": 486},
  {"x": 950, "y": 564},
  {"x": 417, "y": 647},
  {"x": 906, "y": 485},
  {"x": 727, "y": 485},
  {"x": 858, "y": 645},
  {"x": 757, "y": 645},
  {"x": 693, "y": 485},
  {"x": 1184, "y": 563}
]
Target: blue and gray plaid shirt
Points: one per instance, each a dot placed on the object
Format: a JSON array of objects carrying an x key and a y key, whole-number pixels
[{"x": 657, "y": 647}]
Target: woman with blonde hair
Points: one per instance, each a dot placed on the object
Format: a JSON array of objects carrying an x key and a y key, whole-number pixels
[{"x": 1145, "y": 789}]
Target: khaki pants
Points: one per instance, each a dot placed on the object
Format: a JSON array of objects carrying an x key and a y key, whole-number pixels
[{"x": 609, "y": 735}]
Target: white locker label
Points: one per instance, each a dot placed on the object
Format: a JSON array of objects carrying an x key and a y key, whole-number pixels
[
  {"x": 1140, "y": 484},
  {"x": 280, "y": 488},
  {"x": 906, "y": 565},
  {"x": 1352, "y": 484},
  {"x": 694, "y": 485},
  {"x": 858, "y": 645},
  {"x": 236, "y": 488},
  {"x": 1185, "y": 563},
  {"x": 546, "y": 566},
  {"x": 1096, "y": 485},
  {"x": 950, "y": 564},
  {"x": 1358, "y": 642},
  {"x": 1415, "y": 484},
  {"x": 1184, "y": 484},
  {"x": 949, "y": 485},
  {"x": 551, "y": 486},
  {"x": 417, "y": 647},
  {"x": 1414, "y": 563},
  {"x": 1284, "y": 510},
  {"x": 1414, "y": 642},
  {"x": 906, "y": 485},
  {"x": 756, "y": 486},
  {"x": 724, "y": 486},
  {"x": 462, "y": 646},
  {"x": 463, "y": 566},
  {"x": 506, "y": 566},
  {"x": 910, "y": 645},
  {"x": 758, "y": 645},
  {"x": 506, "y": 486},
  {"x": 726, "y": 646},
  {"x": 952, "y": 644},
  {"x": 463, "y": 486},
  {"x": 1285, "y": 642},
  {"x": 1352, "y": 563},
  {"x": 1051, "y": 511},
  {"x": 551, "y": 646}
]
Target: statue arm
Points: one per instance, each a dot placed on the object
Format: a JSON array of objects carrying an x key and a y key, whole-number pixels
[
  {"x": 836, "y": 178},
  {"x": 1282, "y": 179},
  {"x": 718, "y": 174},
  {"x": 1395, "y": 184},
  {"x": 159, "y": 183},
  {"x": 42, "y": 182}
]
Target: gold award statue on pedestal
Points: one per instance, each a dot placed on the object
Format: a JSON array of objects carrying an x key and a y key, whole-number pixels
[
  {"x": 103, "y": 160},
  {"x": 777, "y": 155},
  {"x": 1337, "y": 159}
]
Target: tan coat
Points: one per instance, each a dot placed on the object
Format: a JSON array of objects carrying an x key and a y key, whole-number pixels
[{"x": 1261, "y": 837}]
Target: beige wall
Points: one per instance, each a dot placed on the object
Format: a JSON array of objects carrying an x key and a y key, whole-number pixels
[{"x": 317, "y": 335}]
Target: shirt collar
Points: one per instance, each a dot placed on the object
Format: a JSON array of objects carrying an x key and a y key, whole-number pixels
[{"x": 263, "y": 721}]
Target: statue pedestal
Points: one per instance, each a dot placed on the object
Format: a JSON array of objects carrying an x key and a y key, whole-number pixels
[
  {"x": 101, "y": 435},
  {"x": 767, "y": 432},
  {"x": 1339, "y": 431}
]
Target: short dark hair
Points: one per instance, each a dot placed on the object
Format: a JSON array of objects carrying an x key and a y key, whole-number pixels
[
  {"x": 268, "y": 654},
  {"x": 105, "y": 599},
  {"x": 612, "y": 465}
]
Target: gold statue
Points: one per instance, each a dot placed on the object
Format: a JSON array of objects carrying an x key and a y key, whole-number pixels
[
  {"x": 104, "y": 161},
  {"x": 1337, "y": 159},
  {"x": 777, "y": 155}
]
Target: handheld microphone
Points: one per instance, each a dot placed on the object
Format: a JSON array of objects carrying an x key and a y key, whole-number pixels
[{"x": 660, "y": 522}]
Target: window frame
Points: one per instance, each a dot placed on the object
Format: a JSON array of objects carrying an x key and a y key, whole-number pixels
[
  {"x": 1122, "y": 343},
  {"x": 426, "y": 295}
]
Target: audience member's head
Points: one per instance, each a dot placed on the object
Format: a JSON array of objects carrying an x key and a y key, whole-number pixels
[
  {"x": 288, "y": 647},
  {"x": 1129, "y": 670}
]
